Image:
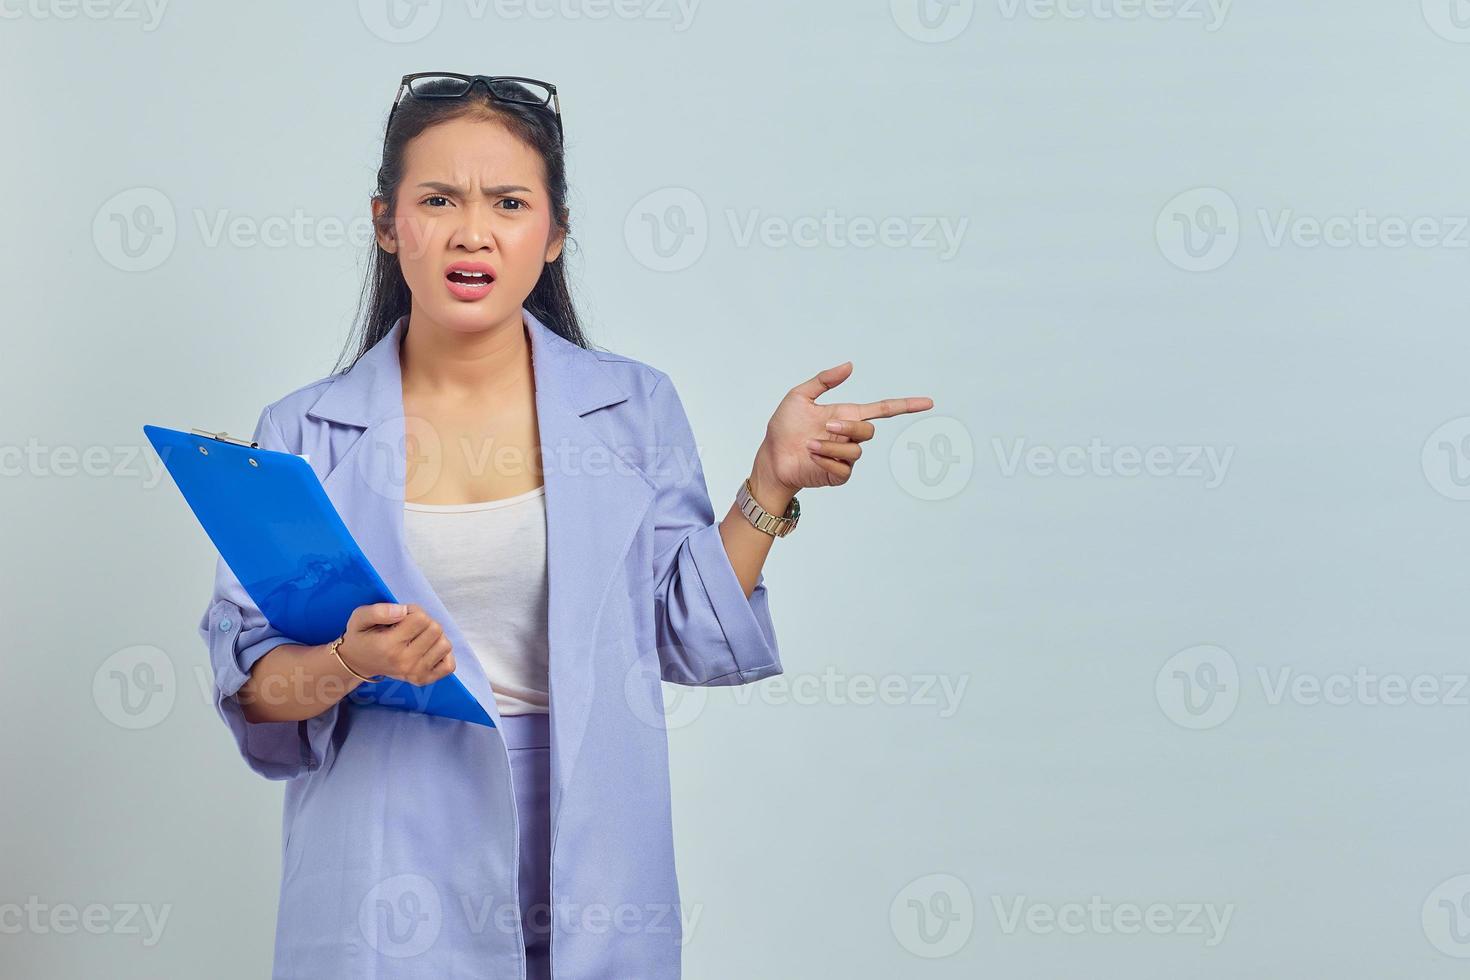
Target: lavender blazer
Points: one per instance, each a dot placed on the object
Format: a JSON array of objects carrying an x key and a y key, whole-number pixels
[{"x": 399, "y": 835}]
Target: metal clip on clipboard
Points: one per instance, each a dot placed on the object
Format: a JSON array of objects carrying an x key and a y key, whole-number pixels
[{"x": 224, "y": 437}]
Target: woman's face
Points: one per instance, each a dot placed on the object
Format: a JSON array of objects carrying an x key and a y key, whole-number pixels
[{"x": 474, "y": 196}]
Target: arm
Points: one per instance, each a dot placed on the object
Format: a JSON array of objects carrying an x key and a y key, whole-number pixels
[
  {"x": 746, "y": 546},
  {"x": 806, "y": 445},
  {"x": 297, "y": 682},
  {"x": 711, "y": 628},
  {"x": 238, "y": 638},
  {"x": 294, "y": 682}
]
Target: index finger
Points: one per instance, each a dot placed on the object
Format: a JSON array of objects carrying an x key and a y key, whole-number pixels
[{"x": 889, "y": 407}]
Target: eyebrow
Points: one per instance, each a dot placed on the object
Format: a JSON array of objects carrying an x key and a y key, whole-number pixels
[{"x": 495, "y": 191}]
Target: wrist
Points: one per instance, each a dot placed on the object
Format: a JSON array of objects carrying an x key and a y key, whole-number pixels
[
  {"x": 769, "y": 492},
  {"x": 343, "y": 661}
]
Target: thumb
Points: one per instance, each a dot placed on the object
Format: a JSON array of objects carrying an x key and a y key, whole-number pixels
[
  {"x": 380, "y": 614},
  {"x": 826, "y": 380}
]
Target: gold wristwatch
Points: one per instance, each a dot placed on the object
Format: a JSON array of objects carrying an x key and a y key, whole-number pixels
[{"x": 764, "y": 520}]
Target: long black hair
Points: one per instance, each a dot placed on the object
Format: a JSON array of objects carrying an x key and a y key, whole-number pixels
[{"x": 385, "y": 295}]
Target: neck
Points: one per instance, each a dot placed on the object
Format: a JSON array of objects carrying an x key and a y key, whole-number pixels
[{"x": 441, "y": 362}]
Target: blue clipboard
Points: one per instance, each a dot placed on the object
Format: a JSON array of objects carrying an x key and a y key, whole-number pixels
[{"x": 276, "y": 529}]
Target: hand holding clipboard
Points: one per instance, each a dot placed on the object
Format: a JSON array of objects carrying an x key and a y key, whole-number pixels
[{"x": 276, "y": 529}]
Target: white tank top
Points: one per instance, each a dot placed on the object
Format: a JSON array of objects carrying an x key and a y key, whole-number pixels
[{"x": 487, "y": 563}]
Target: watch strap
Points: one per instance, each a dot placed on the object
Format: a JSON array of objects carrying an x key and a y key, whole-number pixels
[{"x": 762, "y": 519}]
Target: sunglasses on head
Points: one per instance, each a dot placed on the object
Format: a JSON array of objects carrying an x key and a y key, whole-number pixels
[{"x": 502, "y": 88}]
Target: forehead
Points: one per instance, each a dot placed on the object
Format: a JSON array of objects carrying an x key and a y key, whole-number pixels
[{"x": 471, "y": 151}]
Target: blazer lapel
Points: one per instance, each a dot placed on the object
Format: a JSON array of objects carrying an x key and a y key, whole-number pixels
[{"x": 596, "y": 499}]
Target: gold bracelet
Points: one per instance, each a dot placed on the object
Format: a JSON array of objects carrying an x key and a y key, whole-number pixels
[{"x": 336, "y": 653}]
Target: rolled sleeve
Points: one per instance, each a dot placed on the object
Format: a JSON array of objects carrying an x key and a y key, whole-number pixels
[
  {"x": 237, "y": 635},
  {"x": 709, "y": 633}
]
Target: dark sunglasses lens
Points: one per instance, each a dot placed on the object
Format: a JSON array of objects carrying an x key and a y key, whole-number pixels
[
  {"x": 438, "y": 86},
  {"x": 530, "y": 93}
]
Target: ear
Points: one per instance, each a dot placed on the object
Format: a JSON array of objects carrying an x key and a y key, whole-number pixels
[
  {"x": 555, "y": 242},
  {"x": 383, "y": 232}
]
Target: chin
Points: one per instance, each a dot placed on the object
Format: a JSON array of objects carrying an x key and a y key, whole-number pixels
[{"x": 468, "y": 317}]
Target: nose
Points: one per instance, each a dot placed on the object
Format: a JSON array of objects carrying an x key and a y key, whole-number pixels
[{"x": 474, "y": 231}]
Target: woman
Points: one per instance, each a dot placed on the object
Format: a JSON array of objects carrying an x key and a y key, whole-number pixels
[{"x": 540, "y": 508}]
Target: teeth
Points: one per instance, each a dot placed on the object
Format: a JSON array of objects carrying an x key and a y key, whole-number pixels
[{"x": 473, "y": 275}]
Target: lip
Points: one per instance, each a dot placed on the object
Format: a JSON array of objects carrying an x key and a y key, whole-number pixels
[{"x": 464, "y": 291}]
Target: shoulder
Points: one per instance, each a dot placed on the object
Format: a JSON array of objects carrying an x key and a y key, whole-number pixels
[
  {"x": 298, "y": 400},
  {"x": 652, "y": 396},
  {"x": 286, "y": 416},
  {"x": 635, "y": 376}
]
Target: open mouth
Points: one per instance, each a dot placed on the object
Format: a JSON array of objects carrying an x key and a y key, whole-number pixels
[{"x": 470, "y": 278}]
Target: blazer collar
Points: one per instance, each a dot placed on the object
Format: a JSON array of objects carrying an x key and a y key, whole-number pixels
[{"x": 371, "y": 389}]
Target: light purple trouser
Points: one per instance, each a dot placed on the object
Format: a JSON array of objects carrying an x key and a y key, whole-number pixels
[{"x": 528, "y": 739}]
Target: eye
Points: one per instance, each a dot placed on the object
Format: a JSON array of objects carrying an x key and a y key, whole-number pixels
[
  {"x": 435, "y": 197},
  {"x": 515, "y": 200}
]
